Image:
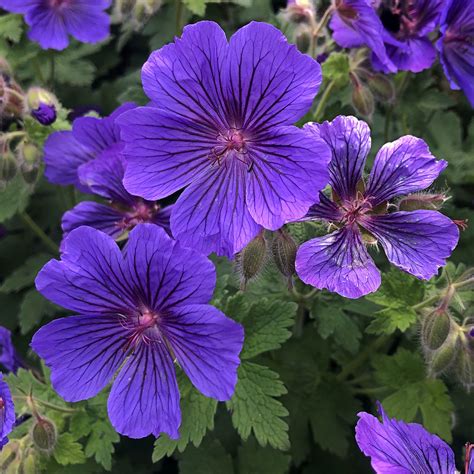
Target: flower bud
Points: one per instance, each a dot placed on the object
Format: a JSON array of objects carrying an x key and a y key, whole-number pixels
[
  {"x": 428, "y": 201},
  {"x": 464, "y": 368},
  {"x": 435, "y": 329},
  {"x": 444, "y": 357},
  {"x": 44, "y": 435},
  {"x": 8, "y": 167},
  {"x": 299, "y": 11},
  {"x": 29, "y": 157},
  {"x": 251, "y": 259},
  {"x": 363, "y": 100},
  {"x": 382, "y": 88},
  {"x": 12, "y": 102},
  {"x": 284, "y": 253},
  {"x": 42, "y": 105},
  {"x": 303, "y": 41}
]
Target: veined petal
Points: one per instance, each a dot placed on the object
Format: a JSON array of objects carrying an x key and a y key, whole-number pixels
[
  {"x": 83, "y": 353},
  {"x": 419, "y": 54},
  {"x": 7, "y": 412},
  {"x": 396, "y": 447},
  {"x": 211, "y": 215},
  {"x": 185, "y": 77},
  {"x": 164, "y": 274},
  {"x": 402, "y": 167},
  {"x": 87, "y": 22},
  {"x": 349, "y": 142},
  {"x": 144, "y": 398},
  {"x": 46, "y": 28},
  {"x": 339, "y": 262},
  {"x": 418, "y": 242},
  {"x": 325, "y": 209},
  {"x": 164, "y": 152},
  {"x": 271, "y": 82},
  {"x": 89, "y": 277},
  {"x": 289, "y": 168},
  {"x": 207, "y": 345},
  {"x": 18, "y": 6}
]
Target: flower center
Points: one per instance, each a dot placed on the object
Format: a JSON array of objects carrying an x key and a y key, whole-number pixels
[
  {"x": 2, "y": 404},
  {"x": 141, "y": 212},
  {"x": 142, "y": 327},
  {"x": 346, "y": 12},
  {"x": 400, "y": 17},
  {"x": 58, "y": 3},
  {"x": 353, "y": 210},
  {"x": 231, "y": 142}
]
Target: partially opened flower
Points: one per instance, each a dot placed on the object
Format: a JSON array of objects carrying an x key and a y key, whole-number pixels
[
  {"x": 418, "y": 242},
  {"x": 456, "y": 45},
  {"x": 9, "y": 358},
  {"x": 220, "y": 124},
  {"x": 7, "y": 412},
  {"x": 139, "y": 312},
  {"x": 396, "y": 447},
  {"x": 51, "y": 21},
  {"x": 66, "y": 151},
  {"x": 103, "y": 176}
]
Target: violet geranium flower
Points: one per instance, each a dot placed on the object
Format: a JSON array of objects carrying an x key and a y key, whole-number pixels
[
  {"x": 51, "y": 21},
  {"x": 220, "y": 124},
  {"x": 9, "y": 358},
  {"x": 456, "y": 45},
  {"x": 140, "y": 310},
  {"x": 418, "y": 242},
  {"x": 396, "y": 447},
  {"x": 7, "y": 412},
  {"x": 66, "y": 151},
  {"x": 103, "y": 176}
]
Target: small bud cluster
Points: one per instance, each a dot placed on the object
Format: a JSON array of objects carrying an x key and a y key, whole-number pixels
[
  {"x": 281, "y": 249},
  {"x": 134, "y": 14}
]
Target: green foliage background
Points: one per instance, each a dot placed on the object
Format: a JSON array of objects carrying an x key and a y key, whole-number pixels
[{"x": 311, "y": 360}]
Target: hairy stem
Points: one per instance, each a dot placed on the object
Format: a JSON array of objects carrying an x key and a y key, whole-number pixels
[
  {"x": 324, "y": 99},
  {"x": 48, "y": 242}
]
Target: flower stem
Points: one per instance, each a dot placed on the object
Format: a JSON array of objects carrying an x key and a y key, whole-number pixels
[
  {"x": 31, "y": 401},
  {"x": 324, "y": 99},
  {"x": 179, "y": 15},
  {"x": 48, "y": 242},
  {"x": 317, "y": 29}
]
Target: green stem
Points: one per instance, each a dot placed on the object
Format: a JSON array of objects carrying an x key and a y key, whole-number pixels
[
  {"x": 324, "y": 99},
  {"x": 426, "y": 302},
  {"x": 349, "y": 368},
  {"x": 48, "y": 242},
  {"x": 179, "y": 14},
  {"x": 299, "y": 322},
  {"x": 47, "y": 404},
  {"x": 322, "y": 23},
  {"x": 388, "y": 118},
  {"x": 38, "y": 71},
  {"x": 53, "y": 70}
]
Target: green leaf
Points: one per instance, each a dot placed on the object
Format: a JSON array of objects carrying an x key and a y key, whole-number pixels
[
  {"x": 254, "y": 407},
  {"x": 33, "y": 309},
  {"x": 68, "y": 451},
  {"x": 266, "y": 326},
  {"x": 209, "y": 458},
  {"x": 24, "y": 276},
  {"x": 336, "y": 68},
  {"x": 397, "y": 294},
  {"x": 253, "y": 459},
  {"x": 197, "y": 417},
  {"x": 198, "y": 7},
  {"x": 11, "y": 27},
  {"x": 413, "y": 394},
  {"x": 100, "y": 444},
  {"x": 13, "y": 198}
]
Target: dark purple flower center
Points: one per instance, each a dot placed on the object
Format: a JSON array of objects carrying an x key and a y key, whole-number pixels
[
  {"x": 400, "y": 17},
  {"x": 346, "y": 12},
  {"x": 355, "y": 209},
  {"x": 231, "y": 142},
  {"x": 143, "y": 327},
  {"x": 141, "y": 212},
  {"x": 58, "y": 3},
  {"x": 2, "y": 404}
]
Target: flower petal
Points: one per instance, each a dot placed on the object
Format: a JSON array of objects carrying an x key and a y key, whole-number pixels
[
  {"x": 87, "y": 21},
  {"x": 99, "y": 216},
  {"x": 419, "y": 54},
  {"x": 289, "y": 168},
  {"x": 211, "y": 215},
  {"x": 396, "y": 447},
  {"x": 185, "y": 77},
  {"x": 144, "y": 398},
  {"x": 164, "y": 152},
  {"x": 9, "y": 358},
  {"x": 63, "y": 155},
  {"x": 325, "y": 209},
  {"x": 349, "y": 142},
  {"x": 164, "y": 274},
  {"x": 83, "y": 353},
  {"x": 89, "y": 277},
  {"x": 271, "y": 82},
  {"x": 338, "y": 262},
  {"x": 418, "y": 242},
  {"x": 7, "y": 413},
  {"x": 46, "y": 28},
  {"x": 207, "y": 345},
  {"x": 401, "y": 167},
  {"x": 18, "y": 6}
]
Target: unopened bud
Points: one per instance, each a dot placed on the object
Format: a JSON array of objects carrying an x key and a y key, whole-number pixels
[
  {"x": 299, "y": 11},
  {"x": 428, "y": 201},
  {"x": 363, "y": 100},
  {"x": 382, "y": 88},
  {"x": 44, "y": 435},
  {"x": 464, "y": 367},
  {"x": 12, "y": 103},
  {"x": 251, "y": 259},
  {"x": 284, "y": 253},
  {"x": 435, "y": 329},
  {"x": 8, "y": 167},
  {"x": 444, "y": 357},
  {"x": 42, "y": 105},
  {"x": 303, "y": 41}
]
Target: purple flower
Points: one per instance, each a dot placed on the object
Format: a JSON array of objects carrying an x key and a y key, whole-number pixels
[
  {"x": 66, "y": 151},
  {"x": 7, "y": 412},
  {"x": 103, "y": 176},
  {"x": 456, "y": 45},
  {"x": 355, "y": 23},
  {"x": 407, "y": 26},
  {"x": 417, "y": 242},
  {"x": 469, "y": 458},
  {"x": 219, "y": 124},
  {"x": 140, "y": 310},
  {"x": 45, "y": 114},
  {"x": 396, "y": 447},
  {"x": 51, "y": 21},
  {"x": 9, "y": 358}
]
